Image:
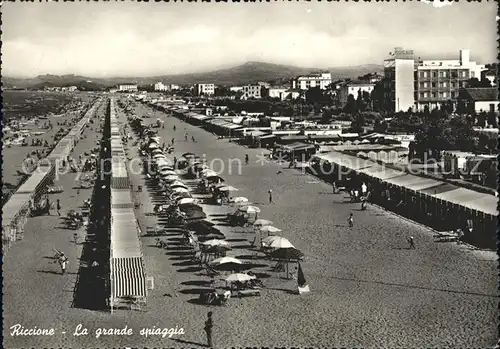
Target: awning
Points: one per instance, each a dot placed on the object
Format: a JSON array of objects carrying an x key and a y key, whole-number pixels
[
  {"x": 255, "y": 133},
  {"x": 413, "y": 182},
  {"x": 471, "y": 199},
  {"x": 232, "y": 126},
  {"x": 267, "y": 136},
  {"x": 127, "y": 277}
]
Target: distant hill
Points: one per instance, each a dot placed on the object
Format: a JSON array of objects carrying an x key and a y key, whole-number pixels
[{"x": 249, "y": 72}]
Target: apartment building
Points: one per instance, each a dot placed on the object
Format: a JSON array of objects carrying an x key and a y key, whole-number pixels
[
  {"x": 159, "y": 86},
  {"x": 399, "y": 83},
  {"x": 305, "y": 82},
  {"x": 437, "y": 82},
  {"x": 252, "y": 91},
  {"x": 127, "y": 88},
  {"x": 352, "y": 88},
  {"x": 205, "y": 89},
  {"x": 415, "y": 84}
]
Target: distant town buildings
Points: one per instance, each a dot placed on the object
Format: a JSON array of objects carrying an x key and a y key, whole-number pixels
[
  {"x": 160, "y": 86},
  {"x": 276, "y": 93},
  {"x": 252, "y": 91},
  {"x": 305, "y": 82},
  {"x": 204, "y": 89},
  {"x": 127, "y": 88},
  {"x": 236, "y": 88},
  {"x": 415, "y": 84},
  {"x": 352, "y": 88}
]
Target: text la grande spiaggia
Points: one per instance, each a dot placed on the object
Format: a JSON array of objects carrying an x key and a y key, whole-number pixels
[{"x": 80, "y": 330}]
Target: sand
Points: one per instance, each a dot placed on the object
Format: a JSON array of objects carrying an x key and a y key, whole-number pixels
[{"x": 368, "y": 290}]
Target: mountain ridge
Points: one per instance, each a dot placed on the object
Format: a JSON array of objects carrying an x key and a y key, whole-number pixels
[{"x": 249, "y": 72}]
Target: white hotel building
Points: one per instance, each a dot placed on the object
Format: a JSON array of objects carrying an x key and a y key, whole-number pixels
[
  {"x": 205, "y": 89},
  {"x": 411, "y": 83},
  {"x": 305, "y": 82}
]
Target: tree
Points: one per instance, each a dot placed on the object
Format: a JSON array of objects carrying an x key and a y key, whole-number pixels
[
  {"x": 481, "y": 119},
  {"x": 492, "y": 119},
  {"x": 475, "y": 82},
  {"x": 350, "y": 107}
]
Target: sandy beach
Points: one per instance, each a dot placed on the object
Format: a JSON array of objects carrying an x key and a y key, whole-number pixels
[{"x": 368, "y": 289}]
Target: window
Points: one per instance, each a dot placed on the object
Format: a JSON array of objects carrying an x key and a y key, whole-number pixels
[
  {"x": 441, "y": 74},
  {"x": 444, "y": 74},
  {"x": 445, "y": 95},
  {"x": 434, "y": 94},
  {"x": 472, "y": 74},
  {"x": 434, "y": 85},
  {"x": 434, "y": 74},
  {"x": 423, "y": 74},
  {"x": 425, "y": 85},
  {"x": 442, "y": 84},
  {"x": 452, "y": 85},
  {"x": 464, "y": 74},
  {"x": 424, "y": 95}
]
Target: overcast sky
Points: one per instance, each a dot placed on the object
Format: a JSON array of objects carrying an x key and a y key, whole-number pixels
[{"x": 143, "y": 39}]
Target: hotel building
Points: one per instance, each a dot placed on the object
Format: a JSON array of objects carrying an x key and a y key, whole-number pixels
[
  {"x": 252, "y": 91},
  {"x": 305, "y": 82},
  {"x": 205, "y": 89},
  {"x": 415, "y": 84}
]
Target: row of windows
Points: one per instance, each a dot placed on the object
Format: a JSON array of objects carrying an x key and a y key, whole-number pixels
[
  {"x": 446, "y": 74},
  {"x": 442, "y": 84},
  {"x": 438, "y": 94}
]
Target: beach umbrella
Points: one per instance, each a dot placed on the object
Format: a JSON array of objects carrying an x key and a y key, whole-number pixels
[
  {"x": 240, "y": 277},
  {"x": 171, "y": 178},
  {"x": 194, "y": 215},
  {"x": 180, "y": 190},
  {"x": 178, "y": 183},
  {"x": 178, "y": 196},
  {"x": 153, "y": 146},
  {"x": 269, "y": 229},
  {"x": 188, "y": 155},
  {"x": 216, "y": 242},
  {"x": 228, "y": 188},
  {"x": 173, "y": 186},
  {"x": 190, "y": 207},
  {"x": 287, "y": 253},
  {"x": 157, "y": 151},
  {"x": 239, "y": 199},
  {"x": 159, "y": 156},
  {"x": 165, "y": 171},
  {"x": 208, "y": 173},
  {"x": 280, "y": 242},
  {"x": 213, "y": 177},
  {"x": 249, "y": 209},
  {"x": 225, "y": 260}
]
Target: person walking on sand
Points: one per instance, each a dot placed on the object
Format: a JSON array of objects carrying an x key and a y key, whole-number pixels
[
  {"x": 173, "y": 141},
  {"x": 63, "y": 261},
  {"x": 412, "y": 242},
  {"x": 186, "y": 137},
  {"x": 58, "y": 206},
  {"x": 350, "y": 220},
  {"x": 270, "y": 196},
  {"x": 246, "y": 159},
  {"x": 75, "y": 238},
  {"x": 192, "y": 138},
  {"x": 175, "y": 128},
  {"x": 334, "y": 187},
  {"x": 208, "y": 329}
]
